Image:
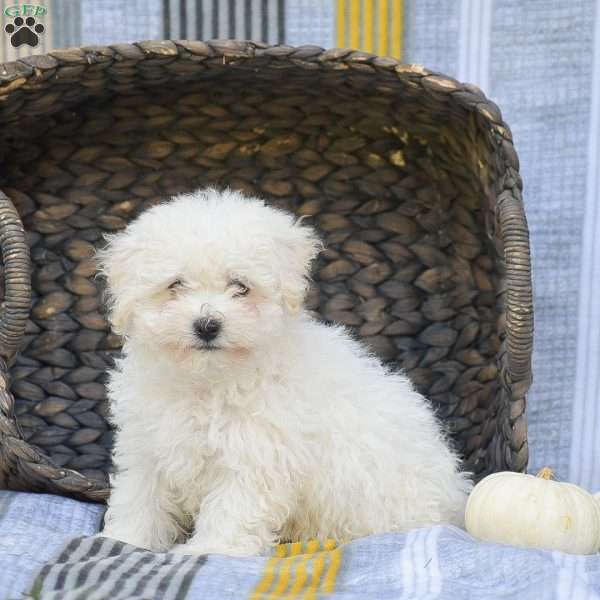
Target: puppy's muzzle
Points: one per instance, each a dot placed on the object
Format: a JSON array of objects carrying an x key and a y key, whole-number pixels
[{"x": 207, "y": 329}]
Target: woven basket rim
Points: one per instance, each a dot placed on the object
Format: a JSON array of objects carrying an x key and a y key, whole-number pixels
[{"x": 18, "y": 73}]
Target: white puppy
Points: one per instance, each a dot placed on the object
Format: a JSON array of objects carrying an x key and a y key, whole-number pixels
[{"x": 241, "y": 419}]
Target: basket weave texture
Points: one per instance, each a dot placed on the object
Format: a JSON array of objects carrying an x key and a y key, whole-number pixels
[{"x": 410, "y": 176}]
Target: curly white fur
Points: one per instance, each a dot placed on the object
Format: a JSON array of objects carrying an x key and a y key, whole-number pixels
[{"x": 288, "y": 430}]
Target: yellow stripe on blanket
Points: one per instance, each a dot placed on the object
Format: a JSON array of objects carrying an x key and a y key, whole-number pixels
[
  {"x": 371, "y": 25},
  {"x": 300, "y": 571}
]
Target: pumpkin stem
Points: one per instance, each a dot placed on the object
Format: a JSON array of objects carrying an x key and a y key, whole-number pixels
[{"x": 546, "y": 473}]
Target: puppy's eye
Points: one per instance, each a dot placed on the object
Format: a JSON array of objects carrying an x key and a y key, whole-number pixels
[
  {"x": 175, "y": 285},
  {"x": 241, "y": 289}
]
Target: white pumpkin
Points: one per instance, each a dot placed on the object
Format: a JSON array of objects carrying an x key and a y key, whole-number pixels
[{"x": 535, "y": 512}]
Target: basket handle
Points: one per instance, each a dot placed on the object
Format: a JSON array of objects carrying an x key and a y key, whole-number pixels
[
  {"x": 16, "y": 306},
  {"x": 519, "y": 295}
]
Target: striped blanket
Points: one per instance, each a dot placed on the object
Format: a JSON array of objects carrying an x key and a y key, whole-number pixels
[{"x": 48, "y": 551}]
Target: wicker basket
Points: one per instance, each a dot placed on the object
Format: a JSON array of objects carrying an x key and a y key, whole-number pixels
[{"x": 410, "y": 176}]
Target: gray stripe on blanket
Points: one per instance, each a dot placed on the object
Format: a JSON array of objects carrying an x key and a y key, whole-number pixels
[{"x": 97, "y": 568}]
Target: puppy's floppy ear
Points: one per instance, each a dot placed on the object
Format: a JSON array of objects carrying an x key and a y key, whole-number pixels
[
  {"x": 296, "y": 250},
  {"x": 116, "y": 263}
]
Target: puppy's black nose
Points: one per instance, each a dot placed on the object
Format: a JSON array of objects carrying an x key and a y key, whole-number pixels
[{"x": 207, "y": 329}]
